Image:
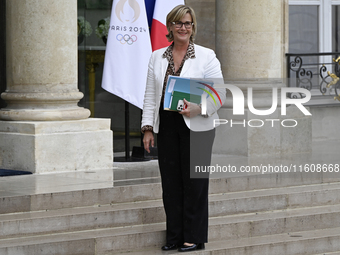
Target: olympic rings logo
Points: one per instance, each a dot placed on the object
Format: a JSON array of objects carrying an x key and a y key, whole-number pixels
[{"x": 123, "y": 39}]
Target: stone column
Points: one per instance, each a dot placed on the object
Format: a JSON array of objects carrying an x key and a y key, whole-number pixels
[
  {"x": 42, "y": 61},
  {"x": 251, "y": 42},
  {"x": 252, "y": 37},
  {"x": 42, "y": 127}
]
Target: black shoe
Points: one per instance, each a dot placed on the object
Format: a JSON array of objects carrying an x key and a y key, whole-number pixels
[
  {"x": 195, "y": 246},
  {"x": 169, "y": 247}
]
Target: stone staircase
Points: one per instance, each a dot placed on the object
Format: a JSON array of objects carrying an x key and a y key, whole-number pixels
[{"x": 271, "y": 214}]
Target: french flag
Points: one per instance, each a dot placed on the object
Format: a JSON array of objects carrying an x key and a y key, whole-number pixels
[{"x": 158, "y": 28}]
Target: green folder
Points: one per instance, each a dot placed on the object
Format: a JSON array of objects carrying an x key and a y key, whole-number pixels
[{"x": 176, "y": 95}]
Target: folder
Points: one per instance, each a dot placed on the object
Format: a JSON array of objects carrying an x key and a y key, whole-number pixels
[
  {"x": 177, "y": 95},
  {"x": 178, "y": 88}
]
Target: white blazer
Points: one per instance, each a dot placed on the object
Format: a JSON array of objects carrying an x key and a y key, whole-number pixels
[{"x": 205, "y": 65}]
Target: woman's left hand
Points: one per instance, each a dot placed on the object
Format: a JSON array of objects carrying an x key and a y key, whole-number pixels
[{"x": 192, "y": 109}]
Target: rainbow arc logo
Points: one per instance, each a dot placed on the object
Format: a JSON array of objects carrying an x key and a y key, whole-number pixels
[
  {"x": 204, "y": 98},
  {"x": 209, "y": 93}
]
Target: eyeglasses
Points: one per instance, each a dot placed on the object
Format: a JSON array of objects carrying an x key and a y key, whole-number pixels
[{"x": 179, "y": 24}]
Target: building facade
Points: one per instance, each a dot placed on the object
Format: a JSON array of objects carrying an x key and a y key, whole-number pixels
[{"x": 251, "y": 39}]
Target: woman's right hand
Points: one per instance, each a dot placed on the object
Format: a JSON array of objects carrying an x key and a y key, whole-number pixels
[{"x": 147, "y": 140}]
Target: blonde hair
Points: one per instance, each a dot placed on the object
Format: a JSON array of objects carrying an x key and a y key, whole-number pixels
[{"x": 176, "y": 14}]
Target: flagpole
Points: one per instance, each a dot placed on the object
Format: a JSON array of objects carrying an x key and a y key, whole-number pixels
[
  {"x": 127, "y": 131},
  {"x": 137, "y": 152}
]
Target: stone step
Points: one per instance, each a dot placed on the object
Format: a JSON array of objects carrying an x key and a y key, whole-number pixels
[
  {"x": 148, "y": 239},
  {"x": 274, "y": 222},
  {"x": 299, "y": 243},
  {"x": 147, "y": 212},
  {"x": 230, "y": 227},
  {"x": 329, "y": 253},
  {"x": 317, "y": 242},
  {"x": 35, "y": 201}
]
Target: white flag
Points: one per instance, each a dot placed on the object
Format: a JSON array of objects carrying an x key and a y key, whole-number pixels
[
  {"x": 128, "y": 51},
  {"x": 158, "y": 29}
]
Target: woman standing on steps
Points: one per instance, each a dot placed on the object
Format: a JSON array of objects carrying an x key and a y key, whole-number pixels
[{"x": 182, "y": 134}]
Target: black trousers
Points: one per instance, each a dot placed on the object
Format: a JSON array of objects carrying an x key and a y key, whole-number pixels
[{"x": 185, "y": 199}]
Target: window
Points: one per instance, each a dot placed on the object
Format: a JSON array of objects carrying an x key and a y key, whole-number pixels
[
  {"x": 303, "y": 15},
  {"x": 314, "y": 28}
]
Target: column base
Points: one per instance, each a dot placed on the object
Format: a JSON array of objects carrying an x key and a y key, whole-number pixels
[
  {"x": 56, "y": 146},
  {"x": 77, "y": 113},
  {"x": 273, "y": 138}
]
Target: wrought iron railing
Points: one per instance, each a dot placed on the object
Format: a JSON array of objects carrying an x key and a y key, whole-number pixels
[{"x": 315, "y": 72}]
